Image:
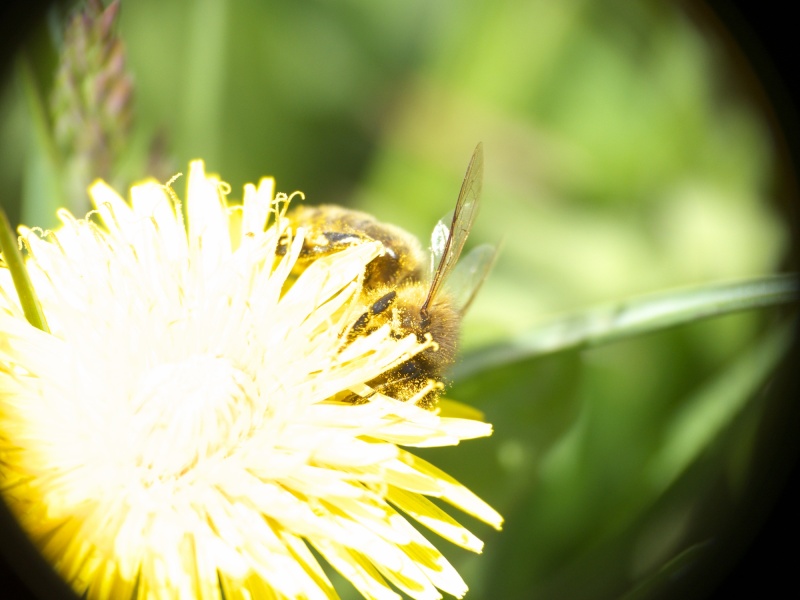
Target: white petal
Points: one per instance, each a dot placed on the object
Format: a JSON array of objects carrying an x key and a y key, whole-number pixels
[{"x": 209, "y": 238}]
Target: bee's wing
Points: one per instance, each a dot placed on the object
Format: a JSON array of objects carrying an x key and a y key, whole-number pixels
[
  {"x": 455, "y": 236},
  {"x": 439, "y": 238},
  {"x": 469, "y": 275}
]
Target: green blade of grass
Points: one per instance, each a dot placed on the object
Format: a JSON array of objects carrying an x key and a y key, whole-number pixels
[
  {"x": 19, "y": 274},
  {"x": 638, "y": 316}
]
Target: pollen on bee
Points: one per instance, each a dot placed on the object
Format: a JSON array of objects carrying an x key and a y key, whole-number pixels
[{"x": 420, "y": 397}]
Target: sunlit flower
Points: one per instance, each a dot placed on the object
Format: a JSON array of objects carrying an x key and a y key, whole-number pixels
[{"x": 180, "y": 430}]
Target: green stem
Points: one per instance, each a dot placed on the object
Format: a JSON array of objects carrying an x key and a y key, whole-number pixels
[
  {"x": 19, "y": 274},
  {"x": 43, "y": 192},
  {"x": 205, "y": 85}
]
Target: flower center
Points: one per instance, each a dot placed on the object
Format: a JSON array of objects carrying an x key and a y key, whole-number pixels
[{"x": 189, "y": 410}]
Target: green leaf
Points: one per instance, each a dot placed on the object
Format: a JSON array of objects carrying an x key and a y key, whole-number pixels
[
  {"x": 593, "y": 514},
  {"x": 22, "y": 282},
  {"x": 632, "y": 318},
  {"x": 713, "y": 407},
  {"x": 670, "y": 570}
]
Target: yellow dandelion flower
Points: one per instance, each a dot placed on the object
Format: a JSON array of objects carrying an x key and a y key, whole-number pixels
[{"x": 178, "y": 432}]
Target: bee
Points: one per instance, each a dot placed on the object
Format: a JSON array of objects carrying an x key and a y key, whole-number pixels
[{"x": 415, "y": 294}]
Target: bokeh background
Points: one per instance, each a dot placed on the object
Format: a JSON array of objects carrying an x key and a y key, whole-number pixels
[{"x": 628, "y": 150}]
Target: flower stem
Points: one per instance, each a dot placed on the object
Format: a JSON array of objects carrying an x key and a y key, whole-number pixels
[{"x": 19, "y": 274}]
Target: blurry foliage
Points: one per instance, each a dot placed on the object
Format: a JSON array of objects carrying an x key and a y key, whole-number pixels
[{"x": 621, "y": 158}]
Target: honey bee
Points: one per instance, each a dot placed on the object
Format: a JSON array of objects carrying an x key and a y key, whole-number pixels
[{"x": 416, "y": 295}]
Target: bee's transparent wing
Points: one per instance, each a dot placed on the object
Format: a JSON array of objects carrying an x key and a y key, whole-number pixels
[
  {"x": 439, "y": 238},
  {"x": 469, "y": 275},
  {"x": 456, "y": 235}
]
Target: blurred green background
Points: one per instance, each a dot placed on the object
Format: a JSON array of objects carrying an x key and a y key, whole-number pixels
[{"x": 623, "y": 156}]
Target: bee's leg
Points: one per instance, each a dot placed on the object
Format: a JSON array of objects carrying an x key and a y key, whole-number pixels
[
  {"x": 335, "y": 241},
  {"x": 377, "y": 307},
  {"x": 408, "y": 380},
  {"x": 353, "y": 397},
  {"x": 322, "y": 243}
]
